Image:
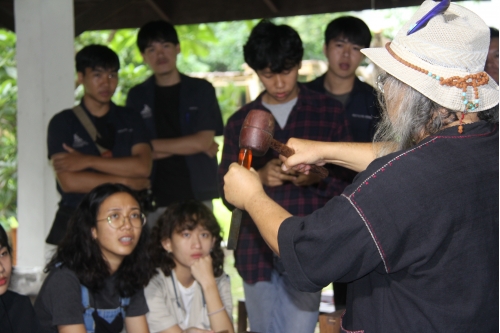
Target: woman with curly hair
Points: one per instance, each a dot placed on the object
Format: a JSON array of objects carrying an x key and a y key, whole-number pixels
[
  {"x": 97, "y": 275},
  {"x": 189, "y": 292}
]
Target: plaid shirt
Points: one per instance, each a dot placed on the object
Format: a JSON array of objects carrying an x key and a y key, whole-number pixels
[{"x": 315, "y": 116}]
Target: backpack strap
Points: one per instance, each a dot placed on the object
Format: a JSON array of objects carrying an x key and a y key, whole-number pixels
[{"x": 90, "y": 128}]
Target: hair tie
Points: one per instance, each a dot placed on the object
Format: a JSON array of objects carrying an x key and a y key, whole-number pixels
[{"x": 216, "y": 311}]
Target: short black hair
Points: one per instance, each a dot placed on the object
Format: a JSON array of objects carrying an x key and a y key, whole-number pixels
[
  {"x": 156, "y": 31},
  {"x": 93, "y": 56},
  {"x": 278, "y": 47},
  {"x": 4, "y": 240},
  {"x": 351, "y": 28},
  {"x": 493, "y": 33}
]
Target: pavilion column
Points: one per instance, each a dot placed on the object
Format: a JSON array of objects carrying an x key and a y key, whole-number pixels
[{"x": 45, "y": 69}]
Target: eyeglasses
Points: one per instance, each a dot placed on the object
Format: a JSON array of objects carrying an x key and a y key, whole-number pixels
[
  {"x": 381, "y": 81},
  {"x": 116, "y": 221}
]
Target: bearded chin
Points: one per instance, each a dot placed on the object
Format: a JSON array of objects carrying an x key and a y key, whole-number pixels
[{"x": 395, "y": 133}]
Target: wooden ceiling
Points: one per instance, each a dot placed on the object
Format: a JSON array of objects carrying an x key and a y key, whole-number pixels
[{"x": 117, "y": 14}]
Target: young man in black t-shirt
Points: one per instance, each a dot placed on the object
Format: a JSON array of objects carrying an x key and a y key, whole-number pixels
[
  {"x": 79, "y": 164},
  {"x": 182, "y": 116}
]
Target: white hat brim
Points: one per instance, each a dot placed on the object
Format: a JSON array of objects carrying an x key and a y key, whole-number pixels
[{"x": 449, "y": 97}]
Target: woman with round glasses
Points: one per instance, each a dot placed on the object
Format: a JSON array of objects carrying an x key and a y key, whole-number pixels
[
  {"x": 97, "y": 275},
  {"x": 189, "y": 291}
]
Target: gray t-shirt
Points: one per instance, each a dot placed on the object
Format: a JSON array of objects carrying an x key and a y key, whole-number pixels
[
  {"x": 344, "y": 98},
  {"x": 281, "y": 111},
  {"x": 60, "y": 300}
]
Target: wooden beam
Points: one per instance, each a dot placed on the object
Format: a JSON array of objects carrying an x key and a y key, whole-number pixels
[
  {"x": 271, "y": 5},
  {"x": 158, "y": 10},
  {"x": 100, "y": 12}
]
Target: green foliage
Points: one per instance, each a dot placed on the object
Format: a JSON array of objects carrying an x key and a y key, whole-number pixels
[
  {"x": 8, "y": 143},
  {"x": 311, "y": 30},
  {"x": 230, "y": 98}
]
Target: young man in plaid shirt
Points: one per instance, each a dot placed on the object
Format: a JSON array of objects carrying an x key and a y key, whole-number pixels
[{"x": 275, "y": 53}]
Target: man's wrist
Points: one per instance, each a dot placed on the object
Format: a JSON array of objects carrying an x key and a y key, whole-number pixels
[
  {"x": 258, "y": 196},
  {"x": 90, "y": 160}
]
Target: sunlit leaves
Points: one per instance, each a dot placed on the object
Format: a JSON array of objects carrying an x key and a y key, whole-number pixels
[{"x": 8, "y": 143}]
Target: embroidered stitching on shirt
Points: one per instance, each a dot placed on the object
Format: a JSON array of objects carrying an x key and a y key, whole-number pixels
[{"x": 382, "y": 169}]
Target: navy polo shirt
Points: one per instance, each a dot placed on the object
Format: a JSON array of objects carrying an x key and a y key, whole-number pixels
[{"x": 65, "y": 127}]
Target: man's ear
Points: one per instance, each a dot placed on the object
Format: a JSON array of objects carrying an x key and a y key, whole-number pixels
[
  {"x": 324, "y": 49},
  {"x": 167, "y": 244},
  {"x": 178, "y": 48},
  {"x": 80, "y": 77}
]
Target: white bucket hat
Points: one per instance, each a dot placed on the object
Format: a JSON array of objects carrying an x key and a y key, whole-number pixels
[{"x": 444, "y": 60}]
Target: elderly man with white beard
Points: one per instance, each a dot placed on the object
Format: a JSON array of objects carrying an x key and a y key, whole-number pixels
[{"x": 416, "y": 234}]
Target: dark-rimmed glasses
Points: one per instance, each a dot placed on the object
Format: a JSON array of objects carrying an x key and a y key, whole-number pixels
[{"x": 116, "y": 221}]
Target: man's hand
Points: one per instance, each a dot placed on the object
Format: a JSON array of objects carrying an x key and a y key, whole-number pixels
[
  {"x": 203, "y": 271},
  {"x": 240, "y": 185},
  {"x": 71, "y": 161},
  {"x": 306, "y": 180},
  {"x": 271, "y": 174},
  {"x": 352, "y": 155},
  {"x": 212, "y": 150},
  {"x": 306, "y": 153}
]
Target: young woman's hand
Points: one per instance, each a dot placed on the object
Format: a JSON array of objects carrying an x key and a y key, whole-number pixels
[{"x": 203, "y": 271}]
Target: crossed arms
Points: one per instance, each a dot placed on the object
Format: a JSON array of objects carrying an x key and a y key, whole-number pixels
[
  {"x": 72, "y": 175},
  {"x": 200, "y": 142}
]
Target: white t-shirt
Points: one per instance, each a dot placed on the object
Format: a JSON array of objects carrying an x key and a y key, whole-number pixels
[
  {"x": 187, "y": 299},
  {"x": 164, "y": 312}
]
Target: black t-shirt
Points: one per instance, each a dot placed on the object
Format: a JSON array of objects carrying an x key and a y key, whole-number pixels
[
  {"x": 415, "y": 235},
  {"x": 172, "y": 181},
  {"x": 121, "y": 128},
  {"x": 17, "y": 314},
  {"x": 60, "y": 300},
  {"x": 106, "y": 131}
]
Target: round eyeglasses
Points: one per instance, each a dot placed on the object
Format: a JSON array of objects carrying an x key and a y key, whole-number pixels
[{"x": 116, "y": 221}]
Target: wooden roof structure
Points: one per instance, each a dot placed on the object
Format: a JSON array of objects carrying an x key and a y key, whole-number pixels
[{"x": 118, "y": 14}]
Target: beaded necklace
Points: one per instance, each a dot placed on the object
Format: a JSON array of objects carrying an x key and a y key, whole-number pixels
[{"x": 471, "y": 80}]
